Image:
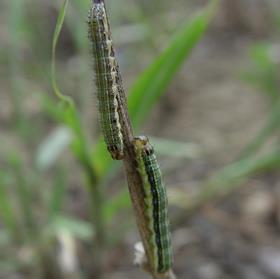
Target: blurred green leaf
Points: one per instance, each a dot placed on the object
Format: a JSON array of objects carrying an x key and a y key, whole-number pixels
[
  {"x": 52, "y": 147},
  {"x": 174, "y": 148},
  {"x": 69, "y": 116},
  {"x": 55, "y": 110},
  {"x": 260, "y": 55},
  {"x": 153, "y": 82},
  {"x": 264, "y": 72}
]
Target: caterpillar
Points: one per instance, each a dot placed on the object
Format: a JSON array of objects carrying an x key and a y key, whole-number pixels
[
  {"x": 108, "y": 78},
  {"x": 155, "y": 203}
]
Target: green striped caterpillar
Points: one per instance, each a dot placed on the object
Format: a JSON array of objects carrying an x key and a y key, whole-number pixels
[
  {"x": 156, "y": 204},
  {"x": 107, "y": 78}
]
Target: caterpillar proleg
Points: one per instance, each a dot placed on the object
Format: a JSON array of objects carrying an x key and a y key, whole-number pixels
[
  {"x": 156, "y": 204},
  {"x": 107, "y": 78}
]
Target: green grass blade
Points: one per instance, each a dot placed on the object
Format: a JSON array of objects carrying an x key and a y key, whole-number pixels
[
  {"x": 57, "y": 31},
  {"x": 264, "y": 70},
  {"x": 154, "y": 80},
  {"x": 50, "y": 106},
  {"x": 173, "y": 148}
]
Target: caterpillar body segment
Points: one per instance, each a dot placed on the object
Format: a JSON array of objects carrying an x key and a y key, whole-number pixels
[
  {"x": 107, "y": 79},
  {"x": 156, "y": 204}
]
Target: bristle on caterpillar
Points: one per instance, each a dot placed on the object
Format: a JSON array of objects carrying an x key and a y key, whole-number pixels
[
  {"x": 156, "y": 204},
  {"x": 107, "y": 78}
]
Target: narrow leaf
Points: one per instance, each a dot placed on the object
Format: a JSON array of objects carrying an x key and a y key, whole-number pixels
[
  {"x": 57, "y": 31},
  {"x": 175, "y": 148},
  {"x": 155, "y": 79}
]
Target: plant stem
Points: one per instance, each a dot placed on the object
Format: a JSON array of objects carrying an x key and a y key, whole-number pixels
[
  {"x": 135, "y": 183},
  {"x": 135, "y": 186}
]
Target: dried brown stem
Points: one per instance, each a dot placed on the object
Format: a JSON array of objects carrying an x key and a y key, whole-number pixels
[{"x": 136, "y": 189}]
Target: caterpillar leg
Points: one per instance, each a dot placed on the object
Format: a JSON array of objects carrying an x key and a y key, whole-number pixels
[{"x": 116, "y": 153}]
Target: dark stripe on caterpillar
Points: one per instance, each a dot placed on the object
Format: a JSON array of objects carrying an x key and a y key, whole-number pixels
[{"x": 156, "y": 204}]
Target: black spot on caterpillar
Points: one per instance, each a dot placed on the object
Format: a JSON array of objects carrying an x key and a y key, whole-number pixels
[
  {"x": 107, "y": 78},
  {"x": 156, "y": 204}
]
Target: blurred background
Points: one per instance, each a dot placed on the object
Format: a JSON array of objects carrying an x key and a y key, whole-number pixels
[{"x": 64, "y": 206}]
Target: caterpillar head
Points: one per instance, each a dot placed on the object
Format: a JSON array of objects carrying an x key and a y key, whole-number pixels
[
  {"x": 97, "y": 11},
  {"x": 116, "y": 152},
  {"x": 142, "y": 144}
]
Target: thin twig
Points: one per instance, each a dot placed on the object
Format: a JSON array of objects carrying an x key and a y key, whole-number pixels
[
  {"x": 136, "y": 188},
  {"x": 135, "y": 185}
]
